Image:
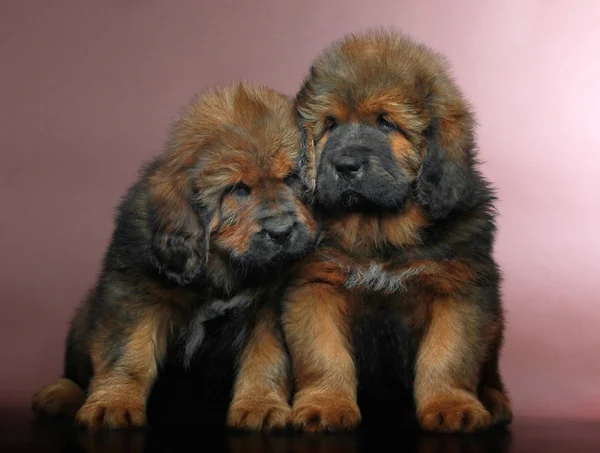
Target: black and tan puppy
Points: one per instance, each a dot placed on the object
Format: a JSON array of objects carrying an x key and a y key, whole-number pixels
[
  {"x": 403, "y": 291},
  {"x": 194, "y": 237}
]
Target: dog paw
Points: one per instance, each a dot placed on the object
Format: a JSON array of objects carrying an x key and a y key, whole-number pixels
[
  {"x": 314, "y": 413},
  {"x": 498, "y": 405},
  {"x": 454, "y": 413},
  {"x": 111, "y": 414},
  {"x": 254, "y": 414},
  {"x": 62, "y": 397}
]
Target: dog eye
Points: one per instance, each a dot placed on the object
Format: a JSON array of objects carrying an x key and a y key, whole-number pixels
[
  {"x": 240, "y": 190},
  {"x": 330, "y": 123},
  {"x": 291, "y": 180},
  {"x": 384, "y": 125}
]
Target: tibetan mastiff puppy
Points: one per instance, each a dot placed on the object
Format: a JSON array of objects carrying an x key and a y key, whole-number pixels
[
  {"x": 204, "y": 230},
  {"x": 403, "y": 291}
]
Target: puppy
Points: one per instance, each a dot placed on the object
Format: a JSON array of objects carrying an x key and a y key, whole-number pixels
[
  {"x": 193, "y": 238},
  {"x": 402, "y": 294}
]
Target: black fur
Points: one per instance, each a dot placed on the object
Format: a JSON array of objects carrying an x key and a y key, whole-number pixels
[
  {"x": 186, "y": 250},
  {"x": 133, "y": 257},
  {"x": 445, "y": 184},
  {"x": 384, "y": 74},
  {"x": 379, "y": 180},
  {"x": 384, "y": 356}
]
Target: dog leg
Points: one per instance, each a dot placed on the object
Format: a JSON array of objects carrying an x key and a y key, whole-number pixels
[
  {"x": 263, "y": 383},
  {"x": 124, "y": 375},
  {"x": 447, "y": 370},
  {"x": 316, "y": 328}
]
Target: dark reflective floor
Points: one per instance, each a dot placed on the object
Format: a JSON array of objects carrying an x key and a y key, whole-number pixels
[{"x": 20, "y": 431}]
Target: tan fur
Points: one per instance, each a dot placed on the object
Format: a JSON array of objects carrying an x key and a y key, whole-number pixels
[
  {"x": 318, "y": 337},
  {"x": 62, "y": 397},
  {"x": 380, "y": 260},
  {"x": 179, "y": 220},
  {"x": 366, "y": 234},
  {"x": 117, "y": 394},
  {"x": 262, "y": 386},
  {"x": 497, "y": 404},
  {"x": 446, "y": 378}
]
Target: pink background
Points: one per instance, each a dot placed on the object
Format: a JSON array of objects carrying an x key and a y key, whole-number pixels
[{"x": 88, "y": 89}]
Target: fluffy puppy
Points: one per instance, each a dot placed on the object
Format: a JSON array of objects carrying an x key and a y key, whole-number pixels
[
  {"x": 402, "y": 293},
  {"x": 193, "y": 238}
]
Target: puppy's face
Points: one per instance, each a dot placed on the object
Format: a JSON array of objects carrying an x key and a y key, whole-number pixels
[
  {"x": 363, "y": 158},
  {"x": 228, "y": 187},
  {"x": 384, "y": 124},
  {"x": 251, "y": 191}
]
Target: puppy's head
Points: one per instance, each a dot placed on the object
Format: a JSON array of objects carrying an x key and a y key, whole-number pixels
[
  {"x": 384, "y": 123},
  {"x": 228, "y": 185}
]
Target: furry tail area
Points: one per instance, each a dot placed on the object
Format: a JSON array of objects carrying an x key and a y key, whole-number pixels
[{"x": 63, "y": 397}]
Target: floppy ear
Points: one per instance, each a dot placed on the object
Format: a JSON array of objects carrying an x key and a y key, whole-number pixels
[
  {"x": 305, "y": 119},
  {"x": 308, "y": 167},
  {"x": 178, "y": 224},
  {"x": 447, "y": 179}
]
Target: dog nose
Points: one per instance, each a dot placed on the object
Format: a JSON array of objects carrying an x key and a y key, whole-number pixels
[
  {"x": 347, "y": 166},
  {"x": 279, "y": 229}
]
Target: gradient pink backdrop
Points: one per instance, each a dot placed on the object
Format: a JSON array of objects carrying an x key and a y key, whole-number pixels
[{"x": 88, "y": 90}]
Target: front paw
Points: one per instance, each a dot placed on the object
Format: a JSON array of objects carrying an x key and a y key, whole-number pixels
[
  {"x": 256, "y": 414},
  {"x": 115, "y": 413},
  {"x": 498, "y": 405},
  {"x": 459, "y": 412},
  {"x": 318, "y": 412},
  {"x": 62, "y": 397}
]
